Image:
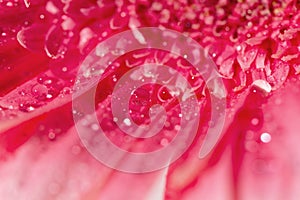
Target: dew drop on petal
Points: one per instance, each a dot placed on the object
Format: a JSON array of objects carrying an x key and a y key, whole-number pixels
[
  {"x": 26, "y": 107},
  {"x": 51, "y": 135},
  {"x": 265, "y": 137},
  {"x": 9, "y": 4},
  {"x": 262, "y": 84},
  {"x": 164, "y": 142},
  {"x": 39, "y": 91},
  {"x": 49, "y": 96},
  {"x": 127, "y": 122},
  {"x": 254, "y": 121},
  {"x": 95, "y": 127}
]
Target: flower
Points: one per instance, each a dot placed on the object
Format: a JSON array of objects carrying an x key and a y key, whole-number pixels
[{"x": 255, "y": 46}]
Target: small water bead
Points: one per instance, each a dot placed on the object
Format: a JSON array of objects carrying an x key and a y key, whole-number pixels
[
  {"x": 127, "y": 122},
  {"x": 39, "y": 91},
  {"x": 104, "y": 34},
  {"x": 254, "y": 121},
  {"x": 66, "y": 91},
  {"x": 95, "y": 127},
  {"x": 51, "y": 135},
  {"x": 123, "y": 14},
  {"x": 26, "y": 107},
  {"x": 262, "y": 84},
  {"x": 84, "y": 122},
  {"x": 265, "y": 137},
  {"x": 76, "y": 149},
  {"x": 64, "y": 69},
  {"x": 9, "y": 4},
  {"x": 115, "y": 119},
  {"x": 22, "y": 93},
  {"x": 177, "y": 127},
  {"x": 164, "y": 142}
]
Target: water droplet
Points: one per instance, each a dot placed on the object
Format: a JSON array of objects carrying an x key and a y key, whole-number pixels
[
  {"x": 64, "y": 69},
  {"x": 39, "y": 91},
  {"x": 164, "y": 142},
  {"x": 22, "y": 93},
  {"x": 104, "y": 34},
  {"x": 9, "y": 4},
  {"x": 123, "y": 14},
  {"x": 26, "y": 107},
  {"x": 265, "y": 137},
  {"x": 127, "y": 122},
  {"x": 95, "y": 127},
  {"x": 49, "y": 96},
  {"x": 76, "y": 149},
  {"x": 115, "y": 119},
  {"x": 254, "y": 121},
  {"x": 66, "y": 91},
  {"x": 262, "y": 84},
  {"x": 51, "y": 135},
  {"x": 177, "y": 127}
]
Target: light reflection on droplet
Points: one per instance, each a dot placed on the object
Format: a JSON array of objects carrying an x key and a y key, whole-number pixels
[
  {"x": 95, "y": 127},
  {"x": 49, "y": 96},
  {"x": 123, "y": 14},
  {"x": 51, "y": 135},
  {"x": 177, "y": 127},
  {"x": 164, "y": 142},
  {"x": 127, "y": 122},
  {"x": 115, "y": 119},
  {"x": 254, "y": 121},
  {"x": 265, "y": 137}
]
